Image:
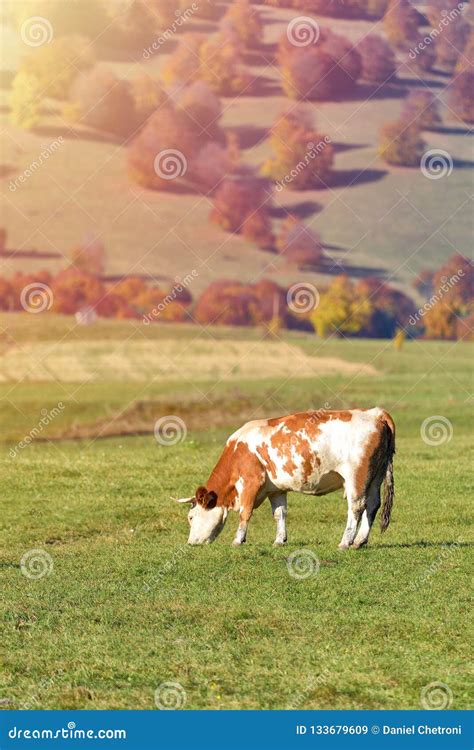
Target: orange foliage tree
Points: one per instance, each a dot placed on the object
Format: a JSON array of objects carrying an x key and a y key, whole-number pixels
[
  {"x": 236, "y": 201},
  {"x": 299, "y": 244},
  {"x": 245, "y": 20},
  {"x": 401, "y": 144}
]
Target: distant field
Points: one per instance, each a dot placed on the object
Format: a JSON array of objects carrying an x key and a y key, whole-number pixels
[
  {"x": 127, "y": 606},
  {"x": 375, "y": 219}
]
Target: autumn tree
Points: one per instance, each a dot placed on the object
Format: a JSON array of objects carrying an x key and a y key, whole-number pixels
[
  {"x": 56, "y": 64},
  {"x": 302, "y": 157},
  {"x": 148, "y": 96},
  {"x": 422, "y": 108},
  {"x": 236, "y": 200},
  {"x": 461, "y": 96},
  {"x": 391, "y": 308},
  {"x": 202, "y": 106},
  {"x": 341, "y": 310},
  {"x": 25, "y": 101},
  {"x": 401, "y": 144},
  {"x": 102, "y": 101},
  {"x": 401, "y": 23},
  {"x": 245, "y": 20},
  {"x": 377, "y": 58},
  {"x": 74, "y": 289},
  {"x": 299, "y": 244},
  {"x": 162, "y": 150},
  {"x": 327, "y": 69}
]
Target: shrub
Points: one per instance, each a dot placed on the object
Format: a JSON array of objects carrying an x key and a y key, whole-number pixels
[
  {"x": 132, "y": 27},
  {"x": 245, "y": 20},
  {"x": 236, "y": 199},
  {"x": 227, "y": 302},
  {"x": 148, "y": 96},
  {"x": 341, "y": 310},
  {"x": 102, "y": 101},
  {"x": 461, "y": 96},
  {"x": 221, "y": 65},
  {"x": 299, "y": 244},
  {"x": 212, "y": 163},
  {"x": 74, "y": 289},
  {"x": 422, "y": 56},
  {"x": 202, "y": 107},
  {"x": 55, "y": 65},
  {"x": 453, "y": 34},
  {"x": 421, "y": 107},
  {"x": 216, "y": 60},
  {"x": 257, "y": 227},
  {"x": 149, "y": 164},
  {"x": 401, "y": 23},
  {"x": 326, "y": 70},
  {"x": 377, "y": 58},
  {"x": 303, "y": 157},
  {"x": 401, "y": 144},
  {"x": 25, "y": 101}
]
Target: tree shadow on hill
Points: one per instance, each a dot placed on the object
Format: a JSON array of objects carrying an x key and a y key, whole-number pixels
[
  {"x": 264, "y": 54},
  {"x": 462, "y": 164},
  {"x": 249, "y": 135},
  {"x": 339, "y": 148},
  {"x": 50, "y": 131},
  {"x": 351, "y": 177},
  {"x": 302, "y": 210},
  {"x": 374, "y": 91},
  {"x": 263, "y": 86},
  {"x": 331, "y": 267},
  {"x": 448, "y": 130},
  {"x": 419, "y": 83}
]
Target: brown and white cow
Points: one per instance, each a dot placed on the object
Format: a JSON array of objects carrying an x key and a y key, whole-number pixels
[{"x": 314, "y": 452}]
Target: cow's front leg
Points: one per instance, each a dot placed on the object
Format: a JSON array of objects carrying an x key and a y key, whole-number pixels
[
  {"x": 241, "y": 534},
  {"x": 279, "y": 510}
]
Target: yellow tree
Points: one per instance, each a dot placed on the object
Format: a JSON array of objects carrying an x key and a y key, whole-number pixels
[{"x": 341, "y": 309}]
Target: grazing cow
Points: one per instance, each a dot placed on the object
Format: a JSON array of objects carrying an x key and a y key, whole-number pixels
[{"x": 314, "y": 452}]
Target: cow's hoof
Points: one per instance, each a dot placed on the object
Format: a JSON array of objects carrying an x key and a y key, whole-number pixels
[
  {"x": 359, "y": 545},
  {"x": 237, "y": 543},
  {"x": 343, "y": 545},
  {"x": 279, "y": 542}
]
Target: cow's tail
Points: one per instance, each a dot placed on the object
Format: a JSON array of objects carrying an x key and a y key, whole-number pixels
[{"x": 389, "y": 485}]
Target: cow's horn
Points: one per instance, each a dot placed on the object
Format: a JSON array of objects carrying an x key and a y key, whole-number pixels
[{"x": 183, "y": 499}]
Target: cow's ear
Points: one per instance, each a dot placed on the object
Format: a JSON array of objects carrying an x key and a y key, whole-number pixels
[{"x": 206, "y": 498}]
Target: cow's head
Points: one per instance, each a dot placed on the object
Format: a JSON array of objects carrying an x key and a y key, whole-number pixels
[{"x": 206, "y": 518}]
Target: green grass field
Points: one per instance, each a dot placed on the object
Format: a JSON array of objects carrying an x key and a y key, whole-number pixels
[{"x": 128, "y": 606}]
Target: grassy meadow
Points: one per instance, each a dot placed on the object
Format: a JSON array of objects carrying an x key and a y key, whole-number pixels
[{"x": 127, "y": 606}]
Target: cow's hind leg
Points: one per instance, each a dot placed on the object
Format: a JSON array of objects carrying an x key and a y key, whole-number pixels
[
  {"x": 355, "y": 508},
  {"x": 368, "y": 517},
  {"x": 279, "y": 510}
]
